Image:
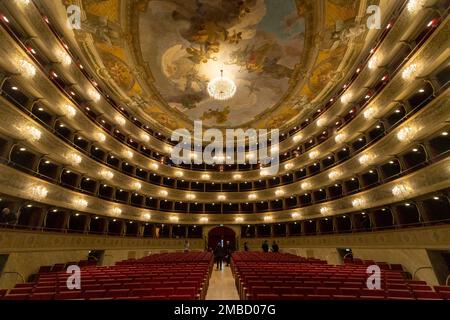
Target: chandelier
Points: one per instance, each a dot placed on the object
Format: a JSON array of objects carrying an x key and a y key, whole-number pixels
[{"x": 221, "y": 88}]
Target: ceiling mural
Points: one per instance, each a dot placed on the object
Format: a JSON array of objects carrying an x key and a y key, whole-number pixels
[
  {"x": 257, "y": 43},
  {"x": 163, "y": 53}
]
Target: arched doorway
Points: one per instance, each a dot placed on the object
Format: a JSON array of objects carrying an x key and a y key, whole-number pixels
[{"x": 221, "y": 233}]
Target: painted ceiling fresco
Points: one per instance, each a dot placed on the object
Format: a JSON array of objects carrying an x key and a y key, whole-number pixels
[
  {"x": 163, "y": 53},
  {"x": 256, "y": 43}
]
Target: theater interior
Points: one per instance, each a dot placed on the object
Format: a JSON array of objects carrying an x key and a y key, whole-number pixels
[{"x": 350, "y": 102}]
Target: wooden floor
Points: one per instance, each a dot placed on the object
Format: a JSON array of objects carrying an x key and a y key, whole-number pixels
[{"x": 222, "y": 285}]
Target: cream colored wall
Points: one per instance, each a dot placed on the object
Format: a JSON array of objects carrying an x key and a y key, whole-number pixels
[
  {"x": 28, "y": 263},
  {"x": 411, "y": 259}
]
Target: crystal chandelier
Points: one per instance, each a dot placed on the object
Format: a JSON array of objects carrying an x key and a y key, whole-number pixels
[{"x": 221, "y": 88}]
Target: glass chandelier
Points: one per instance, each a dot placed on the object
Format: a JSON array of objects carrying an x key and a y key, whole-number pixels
[{"x": 222, "y": 88}]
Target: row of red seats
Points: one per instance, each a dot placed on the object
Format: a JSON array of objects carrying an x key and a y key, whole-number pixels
[
  {"x": 273, "y": 257},
  {"x": 301, "y": 280},
  {"x": 178, "y": 279}
]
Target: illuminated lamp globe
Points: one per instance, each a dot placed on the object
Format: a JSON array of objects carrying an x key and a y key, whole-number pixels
[{"x": 222, "y": 88}]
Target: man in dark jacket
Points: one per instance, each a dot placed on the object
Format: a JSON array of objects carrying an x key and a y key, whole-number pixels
[
  {"x": 275, "y": 247},
  {"x": 219, "y": 254},
  {"x": 265, "y": 246}
]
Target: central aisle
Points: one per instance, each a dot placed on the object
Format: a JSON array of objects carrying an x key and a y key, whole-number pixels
[{"x": 222, "y": 286}]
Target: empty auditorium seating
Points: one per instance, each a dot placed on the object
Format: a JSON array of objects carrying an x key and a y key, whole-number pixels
[
  {"x": 262, "y": 276},
  {"x": 170, "y": 276}
]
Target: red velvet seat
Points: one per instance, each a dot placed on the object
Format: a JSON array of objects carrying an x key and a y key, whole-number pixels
[
  {"x": 427, "y": 295},
  {"x": 68, "y": 295},
  {"x": 42, "y": 296}
]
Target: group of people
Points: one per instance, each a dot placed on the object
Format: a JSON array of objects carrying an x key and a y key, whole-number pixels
[
  {"x": 223, "y": 252},
  {"x": 265, "y": 246}
]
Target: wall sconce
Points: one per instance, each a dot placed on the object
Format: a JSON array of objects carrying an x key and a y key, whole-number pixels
[
  {"x": 38, "y": 192},
  {"x": 322, "y": 122},
  {"x": 406, "y": 134},
  {"x": 106, "y": 174},
  {"x": 340, "y": 138},
  {"x": 154, "y": 166},
  {"x": 313, "y": 155},
  {"x": 80, "y": 203},
  {"x": 346, "y": 98},
  {"x": 179, "y": 174},
  {"x": 239, "y": 220},
  {"x": 358, "y": 202},
  {"x": 295, "y": 215},
  {"x": 288, "y": 166},
  {"x": 63, "y": 57},
  {"x": 116, "y": 211},
  {"x": 120, "y": 120},
  {"x": 163, "y": 193},
  {"x": 204, "y": 220},
  {"x": 306, "y": 186},
  {"x": 73, "y": 158},
  {"x": 268, "y": 218},
  {"x": 221, "y": 197},
  {"x": 409, "y": 72},
  {"x": 190, "y": 196},
  {"x": 145, "y": 137},
  {"x": 324, "y": 210},
  {"x": 147, "y": 216},
  {"x": 30, "y": 132},
  {"x": 128, "y": 154},
  {"x": 237, "y": 177},
  {"x": 297, "y": 138},
  {"x": 334, "y": 175},
  {"x": 100, "y": 137},
  {"x": 94, "y": 95},
  {"x": 414, "y": 5},
  {"x": 279, "y": 193},
  {"x": 366, "y": 159},
  {"x": 370, "y": 113},
  {"x": 70, "y": 111},
  {"x": 252, "y": 196},
  {"x": 174, "y": 219},
  {"x": 136, "y": 186},
  {"x": 401, "y": 190},
  {"x": 26, "y": 69},
  {"x": 373, "y": 62}
]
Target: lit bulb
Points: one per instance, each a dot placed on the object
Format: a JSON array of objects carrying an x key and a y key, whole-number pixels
[
  {"x": 370, "y": 113},
  {"x": 94, "y": 95},
  {"x": 313, "y": 154},
  {"x": 340, "y": 138},
  {"x": 73, "y": 158},
  {"x": 26, "y": 69},
  {"x": 63, "y": 57},
  {"x": 358, "y": 202},
  {"x": 120, "y": 120},
  {"x": 306, "y": 186},
  {"x": 322, "y": 122},
  {"x": 409, "y": 72},
  {"x": 100, "y": 137},
  {"x": 373, "y": 62},
  {"x": 334, "y": 175},
  {"x": 106, "y": 174},
  {"x": 38, "y": 192},
  {"x": 136, "y": 186},
  {"x": 145, "y": 137},
  {"x": 288, "y": 166},
  {"x": 279, "y": 193},
  {"x": 70, "y": 111}
]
